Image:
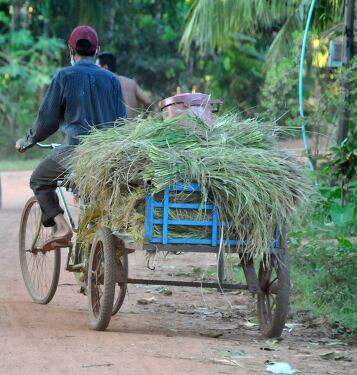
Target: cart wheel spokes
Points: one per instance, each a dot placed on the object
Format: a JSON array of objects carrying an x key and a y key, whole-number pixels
[
  {"x": 121, "y": 288},
  {"x": 101, "y": 279},
  {"x": 273, "y": 299}
]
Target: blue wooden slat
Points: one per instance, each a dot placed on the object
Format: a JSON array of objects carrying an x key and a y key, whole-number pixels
[
  {"x": 276, "y": 236},
  {"x": 180, "y": 186},
  {"x": 149, "y": 214},
  {"x": 214, "y": 226},
  {"x": 183, "y": 222},
  {"x": 194, "y": 241},
  {"x": 196, "y": 206},
  {"x": 165, "y": 218},
  {"x": 150, "y": 220}
]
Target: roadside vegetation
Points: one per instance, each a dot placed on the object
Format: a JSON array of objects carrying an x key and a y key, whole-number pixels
[
  {"x": 324, "y": 246},
  {"x": 18, "y": 164}
]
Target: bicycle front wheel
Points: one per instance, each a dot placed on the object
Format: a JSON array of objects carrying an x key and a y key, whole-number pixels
[{"x": 40, "y": 269}]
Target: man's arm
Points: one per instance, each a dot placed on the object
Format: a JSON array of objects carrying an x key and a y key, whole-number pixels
[
  {"x": 141, "y": 97},
  {"x": 47, "y": 121}
]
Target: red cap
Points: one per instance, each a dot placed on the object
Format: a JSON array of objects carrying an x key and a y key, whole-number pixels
[{"x": 84, "y": 32}]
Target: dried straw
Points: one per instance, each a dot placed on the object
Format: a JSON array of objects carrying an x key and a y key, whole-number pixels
[{"x": 237, "y": 163}]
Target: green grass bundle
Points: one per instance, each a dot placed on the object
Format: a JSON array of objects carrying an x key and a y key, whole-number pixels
[{"x": 237, "y": 163}]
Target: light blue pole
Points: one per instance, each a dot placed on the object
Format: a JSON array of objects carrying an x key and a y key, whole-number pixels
[{"x": 301, "y": 78}]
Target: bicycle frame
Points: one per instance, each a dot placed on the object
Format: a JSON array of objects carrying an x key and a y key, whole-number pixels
[{"x": 67, "y": 211}]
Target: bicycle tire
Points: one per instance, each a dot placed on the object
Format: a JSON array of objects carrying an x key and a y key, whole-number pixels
[
  {"x": 32, "y": 213},
  {"x": 274, "y": 279},
  {"x": 101, "y": 279}
]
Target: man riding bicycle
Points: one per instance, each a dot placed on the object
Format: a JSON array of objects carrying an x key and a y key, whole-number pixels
[{"x": 80, "y": 97}]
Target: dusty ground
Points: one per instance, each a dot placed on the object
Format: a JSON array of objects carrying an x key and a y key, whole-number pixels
[{"x": 173, "y": 334}]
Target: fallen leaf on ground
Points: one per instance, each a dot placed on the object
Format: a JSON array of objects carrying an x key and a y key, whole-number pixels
[
  {"x": 232, "y": 354},
  {"x": 226, "y": 362},
  {"x": 214, "y": 334},
  {"x": 163, "y": 290},
  {"x": 293, "y": 325},
  {"x": 250, "y": 324},
  {"x": 343, "y": 358},
  {"x": 181, "y": 311},
  {"x": 146, "y": 301},
  {"x": 328, "y": 355}
]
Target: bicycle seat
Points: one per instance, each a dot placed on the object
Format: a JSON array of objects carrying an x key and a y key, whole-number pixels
[{"x": 67, "y": 183}]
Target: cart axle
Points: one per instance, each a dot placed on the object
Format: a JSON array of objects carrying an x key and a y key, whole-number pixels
[{"x": 197, "y": 284}]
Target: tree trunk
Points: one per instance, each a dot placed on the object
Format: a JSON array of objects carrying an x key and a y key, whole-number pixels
[
  {"x": 16, "y": 14},
  {"x": 109, "y": 23},
  {"x": 347, "y": 55},
  {"x": 46, "y": 17}
]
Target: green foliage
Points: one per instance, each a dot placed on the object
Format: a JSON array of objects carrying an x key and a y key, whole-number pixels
[
  {"x": 235, "y": 76},
  {"x": 325, "y": 280},
  {"x": 279, "y": 95},
  {"x": 146, "y": 46},
  {"x": 210, "y": 22},
  {"x": 343, "y": 158},
  {"x": 18, "y": 165},
  {"x": 26, "y": 67},
  {"x": 325, "y": 250}
]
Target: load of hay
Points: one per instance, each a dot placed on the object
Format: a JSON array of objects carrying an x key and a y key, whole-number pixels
[{"x": 237, "y": 163}]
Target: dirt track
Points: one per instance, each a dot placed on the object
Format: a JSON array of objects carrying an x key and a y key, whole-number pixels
[{"x": 172, "y": 335}]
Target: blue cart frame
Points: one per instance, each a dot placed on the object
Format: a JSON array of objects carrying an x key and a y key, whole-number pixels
[{"x": 154, "y": 243}]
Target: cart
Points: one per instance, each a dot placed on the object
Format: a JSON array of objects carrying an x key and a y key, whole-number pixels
[{"x": 270, "y": 285}]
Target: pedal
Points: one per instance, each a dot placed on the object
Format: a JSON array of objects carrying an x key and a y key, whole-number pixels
[{"x": 59, "y": 245}]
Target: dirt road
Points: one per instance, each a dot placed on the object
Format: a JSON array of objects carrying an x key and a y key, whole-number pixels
[{"x": 189, "y": 332}]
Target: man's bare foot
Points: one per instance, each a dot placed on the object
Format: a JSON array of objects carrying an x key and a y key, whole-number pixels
[
  {"x": 63, "y": 230},
  {"x": 61, "y": 237}
]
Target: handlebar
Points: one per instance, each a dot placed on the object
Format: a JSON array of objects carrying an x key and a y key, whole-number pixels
[{"x": 51, "y": 145}]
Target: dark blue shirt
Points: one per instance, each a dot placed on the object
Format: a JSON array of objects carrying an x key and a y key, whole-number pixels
[{"x": 79, "y": 98}]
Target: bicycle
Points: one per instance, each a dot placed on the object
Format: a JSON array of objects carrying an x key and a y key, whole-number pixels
[{"x": 98, "y": 267}]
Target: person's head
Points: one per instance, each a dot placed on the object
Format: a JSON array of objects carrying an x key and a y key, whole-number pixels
[
  {"x": 83, "y": 42},
  {"x": 107, "y": 61}
]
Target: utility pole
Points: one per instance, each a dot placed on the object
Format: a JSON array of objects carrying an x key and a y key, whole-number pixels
[{"x": 347, "y": 55}]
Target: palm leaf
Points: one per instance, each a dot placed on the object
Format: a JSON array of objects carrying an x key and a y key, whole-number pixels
[{"x": 210, "y": 22}]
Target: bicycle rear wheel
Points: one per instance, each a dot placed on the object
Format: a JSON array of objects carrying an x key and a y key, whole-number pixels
[{"x": 40, "y": 269}]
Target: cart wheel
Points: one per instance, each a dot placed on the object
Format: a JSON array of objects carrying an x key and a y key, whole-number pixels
[
  {"x": 40, "y": 269},
  {"x": 121, "y": 288},
  {"x": 77, "y": 257},
  {"x": 101, "y": 279},
  {"x": 274, "y": 281}
]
